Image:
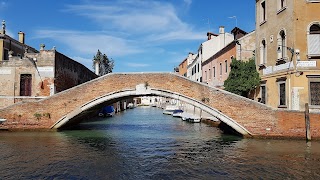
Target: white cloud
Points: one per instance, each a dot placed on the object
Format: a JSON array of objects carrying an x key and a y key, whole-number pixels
[
  {"x": 125, "y": 27},
  {"x": 137, "y": 65},
  {"x": 90, "y": 42},
  {"x": 137, "y": 17}
]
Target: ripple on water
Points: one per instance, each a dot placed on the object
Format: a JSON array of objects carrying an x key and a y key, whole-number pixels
[{"x": 145, "y": 144}]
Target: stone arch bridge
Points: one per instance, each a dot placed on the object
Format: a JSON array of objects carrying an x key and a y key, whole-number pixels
[{"x": 245, "y": 116}]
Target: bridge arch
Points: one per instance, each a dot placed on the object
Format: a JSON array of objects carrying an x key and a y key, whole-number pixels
[
  {"x": 245, "y": 116},
  {"x": 141, "y": 90}
]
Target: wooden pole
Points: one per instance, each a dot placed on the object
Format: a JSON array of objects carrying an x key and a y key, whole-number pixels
[{"x": 307, "y": 118}]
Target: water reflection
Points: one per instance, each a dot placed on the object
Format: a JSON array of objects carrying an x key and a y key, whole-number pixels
[{"x": 145, "y": 144}]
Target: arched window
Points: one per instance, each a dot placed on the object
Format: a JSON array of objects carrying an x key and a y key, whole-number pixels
[
  {"x": 263, "y": 52},
  {"x": 282, "y": 44},
  {"x": 314, "y": 41},
  {"x": 315, "y": 29}
]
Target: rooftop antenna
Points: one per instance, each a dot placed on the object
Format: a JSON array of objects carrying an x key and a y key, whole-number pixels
[{"x": 234, "y": 17}]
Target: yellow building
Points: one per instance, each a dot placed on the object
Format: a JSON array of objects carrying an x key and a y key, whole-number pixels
[{"x": 288, "y": 53}]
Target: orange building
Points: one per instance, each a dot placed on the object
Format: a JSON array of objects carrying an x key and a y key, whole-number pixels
[{"x": 183, "y": 66}]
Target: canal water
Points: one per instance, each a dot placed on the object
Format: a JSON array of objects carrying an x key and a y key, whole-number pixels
[{"x": 142, "y": 143}]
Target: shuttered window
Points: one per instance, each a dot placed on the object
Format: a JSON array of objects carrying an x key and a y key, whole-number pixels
[
  {"x": 25, "y": 84},
  {"x": 314, "y": 40},
  {"x": 313, "y": 44}
]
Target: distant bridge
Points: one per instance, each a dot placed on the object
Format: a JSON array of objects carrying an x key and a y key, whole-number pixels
[{"x": 243, "y": 115}]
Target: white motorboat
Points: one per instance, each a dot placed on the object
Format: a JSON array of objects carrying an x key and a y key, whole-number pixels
[
  {"x": 190, "y": 118},
  {"x": 130, "y": 105},
  {"x": 169, "y": 109}
]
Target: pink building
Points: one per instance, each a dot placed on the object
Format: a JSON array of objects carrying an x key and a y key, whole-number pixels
[{"x": 217, "y": 68}]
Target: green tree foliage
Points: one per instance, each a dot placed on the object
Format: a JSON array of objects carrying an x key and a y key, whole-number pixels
[
  {"x": 105, "y": 64},
  {"x": 243, "y": 77}
]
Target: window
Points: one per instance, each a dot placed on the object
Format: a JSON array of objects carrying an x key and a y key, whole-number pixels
[
  {"x": 214, "y": 72},
  {"x": 281, "y": 5},
  {"x": 226, "y": 63},
  {"x": 282, "y": 92},
  {"x": 210, "y": 75},
  {"x": 263, "y": 93},
  {"x": 25, "y": 84},
  {"x": 282, "y": 44},
  {"x": 198, "y": 67},
  {"x": 263, "y": 11},
  {"x": 314, "y": 41},
  {"x": 314, "y": 93},
  {"x": 263, "y": 52},
  {"x": 220, "y": 69}
]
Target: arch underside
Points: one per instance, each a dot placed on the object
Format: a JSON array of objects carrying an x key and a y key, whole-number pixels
[{"x": 113, "y": 97}]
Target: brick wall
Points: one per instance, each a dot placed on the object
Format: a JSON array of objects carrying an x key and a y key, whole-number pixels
[
  {"x": 257, "y": 118},
  {"x": 69, "y": 73}
]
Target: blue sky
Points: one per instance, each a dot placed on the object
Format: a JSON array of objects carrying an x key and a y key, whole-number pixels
[{"x": 139, "y": 35}]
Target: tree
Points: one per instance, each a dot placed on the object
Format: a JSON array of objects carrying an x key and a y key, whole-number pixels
[
  {"x": 243, "y": 77},
  {"x": 102, "y": 64}
]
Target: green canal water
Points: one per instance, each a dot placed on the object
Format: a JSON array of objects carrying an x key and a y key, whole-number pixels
[{"x": 142, "y": 143}]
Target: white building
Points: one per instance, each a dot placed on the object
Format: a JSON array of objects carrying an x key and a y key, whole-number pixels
[{"x": 214, "y": 43}]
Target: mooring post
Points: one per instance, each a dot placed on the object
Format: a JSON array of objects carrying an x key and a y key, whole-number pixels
[{"x": 307, "y": 118}]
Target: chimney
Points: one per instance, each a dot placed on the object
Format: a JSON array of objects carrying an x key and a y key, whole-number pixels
[
  {"x": 42, "y": 46},
  {"x": 21, "y": 37},
  {"x": 209, "y": 35},
  {"x": 221, "y": 29},
  {"x": 3, "y": 30}
]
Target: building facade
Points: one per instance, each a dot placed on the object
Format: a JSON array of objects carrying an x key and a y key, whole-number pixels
[
  {"x": 288, "y": 53},
  {"x": 217, "y": 68},
  {"x": 214, "y": 43},
  {"x": 246, "y": 46},
  {"x": 183, "y": 67},
  {"x": 27, "y": 74}
]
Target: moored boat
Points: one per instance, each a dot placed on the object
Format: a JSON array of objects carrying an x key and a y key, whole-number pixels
[
  {"x": 177, "y": 113},
  {"x": 190, "y": 118},
  {"x": 107, "y": 111},
  {"x": 169, "y": 109},
  {"x": 130, "y": 105}
]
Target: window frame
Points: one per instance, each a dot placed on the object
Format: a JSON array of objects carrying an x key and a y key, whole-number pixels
[
  {"x": 314, "y": 36},
  {"x": 282, "y": 44},
  {"x": 263, "y": 51},
  {"x": 226, "y": 63},
  {"x": 263, "y": 95},
  {"x": 280, "y": 82},
  {"x": 25, "y": 89},
  {"x": 282, "y": 5},
  {"x": 312, "y": 79},
  {"x": 263, "y": 12}
]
